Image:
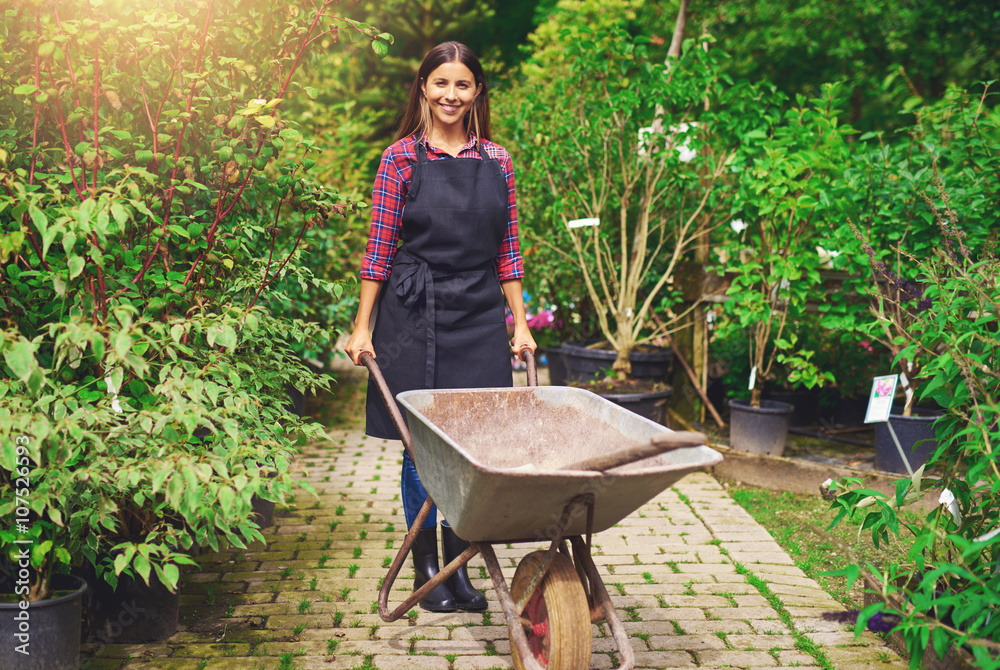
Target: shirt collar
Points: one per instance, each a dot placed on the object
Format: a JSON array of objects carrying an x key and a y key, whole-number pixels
[{"x": 468, "y": 145}]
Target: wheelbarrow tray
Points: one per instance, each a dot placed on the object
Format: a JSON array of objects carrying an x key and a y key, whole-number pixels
[{"x": 492, "y": 459}]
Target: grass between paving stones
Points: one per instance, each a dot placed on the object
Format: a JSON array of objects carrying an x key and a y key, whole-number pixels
[
  {"x": 802, "y": 643},
  {"x": 799, "y": 524}
]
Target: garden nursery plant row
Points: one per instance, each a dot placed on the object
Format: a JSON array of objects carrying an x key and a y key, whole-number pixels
[{"x": 182, "y": 210}]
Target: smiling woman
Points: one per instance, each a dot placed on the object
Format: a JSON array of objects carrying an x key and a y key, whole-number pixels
[{"x": 446, "y": 191}]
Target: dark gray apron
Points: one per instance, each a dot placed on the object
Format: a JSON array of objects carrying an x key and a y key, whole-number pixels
[{"x": 440, "y": 320}]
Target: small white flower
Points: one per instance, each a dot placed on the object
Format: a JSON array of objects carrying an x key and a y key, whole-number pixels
[
  {"x": 115, "y": 405},
  {"x": 947, "y": 498},
  {"x": 738, "y": 225}
]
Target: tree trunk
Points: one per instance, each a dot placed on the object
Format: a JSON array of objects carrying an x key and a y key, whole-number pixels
[{"x": 678, "y": 38}]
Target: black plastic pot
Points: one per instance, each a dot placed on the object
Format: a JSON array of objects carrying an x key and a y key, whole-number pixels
[
  {"x": 557, "y": 367},
  {"x": 759, "y": 430},
  {"x": 130, "y": 613},
  {"x": 51, "y": 627},
  {"x": 583, "y": 364},
  {"x": 262, "y": 508},
  {"x": 805, "y": 402},
  {"x": 652, "y": 406},
  {"x": 916, "y": 437}
]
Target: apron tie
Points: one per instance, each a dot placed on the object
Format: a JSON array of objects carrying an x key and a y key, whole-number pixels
[{"x": 415, "y": 278}]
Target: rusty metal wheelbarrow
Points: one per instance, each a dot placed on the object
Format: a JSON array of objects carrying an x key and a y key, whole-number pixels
[{"x": 551, "y": 464}]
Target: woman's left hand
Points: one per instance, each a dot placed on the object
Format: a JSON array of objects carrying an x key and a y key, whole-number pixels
[{"x": 522, "y": 340}]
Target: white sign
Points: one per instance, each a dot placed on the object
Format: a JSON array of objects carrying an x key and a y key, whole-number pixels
[
  {"x": 880, "y": 400},
  {"x": 580, "y": 223}
]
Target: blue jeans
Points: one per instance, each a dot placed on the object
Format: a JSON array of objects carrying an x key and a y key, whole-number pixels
[{"x": 414, "y": 494}]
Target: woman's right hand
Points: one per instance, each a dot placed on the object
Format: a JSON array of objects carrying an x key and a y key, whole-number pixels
[{"x": 358, "y": 343}]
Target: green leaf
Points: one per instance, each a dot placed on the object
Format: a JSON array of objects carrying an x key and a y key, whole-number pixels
[
  {"x": 121, "y": 562},
  {"x": 76, "y": 264},
  {"x": 119, "y": 213},
  {"x": 123, "y": 344},
  {"x": 227, "y": 337},
  {"x": 25, "y": 89},
  {"x": 21, "y": 359},
  {"x": 141, "y": 564},
  {"x": 170, "y": 576},
  {"x": 226, "y": 499},
  {"x": 380, "y": 48}
]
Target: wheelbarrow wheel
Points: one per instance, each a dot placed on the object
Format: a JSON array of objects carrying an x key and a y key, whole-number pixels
[{"x": 560, "y": 638}]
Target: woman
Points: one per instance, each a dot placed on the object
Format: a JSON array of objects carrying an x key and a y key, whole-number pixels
[{"x": 447, "y": 192}]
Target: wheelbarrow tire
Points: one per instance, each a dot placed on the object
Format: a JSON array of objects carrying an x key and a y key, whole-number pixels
[{"x": 560, "y": 605}]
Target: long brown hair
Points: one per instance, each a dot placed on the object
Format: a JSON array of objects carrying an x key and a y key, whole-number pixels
[{"x": 416, "y": 117}]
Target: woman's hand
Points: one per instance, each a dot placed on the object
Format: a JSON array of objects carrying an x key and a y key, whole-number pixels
[
  {"x": 358, "y": 343},
  {"x": 522, "y": 340}
]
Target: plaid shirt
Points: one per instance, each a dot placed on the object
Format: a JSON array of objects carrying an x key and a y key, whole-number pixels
[{"x": 392, "y": 183}]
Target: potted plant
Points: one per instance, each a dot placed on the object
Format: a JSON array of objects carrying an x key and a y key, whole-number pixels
[
  {"x": 626, "y": 178},
  {"x": 789, "y": 174},
  {"x": 145, "y": 221},
  {"x": 51, "y": 511}
]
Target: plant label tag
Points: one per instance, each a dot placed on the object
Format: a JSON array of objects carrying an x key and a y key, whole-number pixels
[
  {"x": 581, "y": 223},
  {"x": 880, "y": 400},
  {"x": 753, "y": 378}
]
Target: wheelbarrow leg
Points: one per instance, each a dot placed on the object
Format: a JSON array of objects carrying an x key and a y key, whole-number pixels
[
  {"x": 581, "y": 551},
  {"x": 397, "y": 564},
  {"x": 518, "y": 639}
]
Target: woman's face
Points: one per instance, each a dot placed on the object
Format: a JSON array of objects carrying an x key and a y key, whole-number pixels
[{"x": 450, "y": 91}]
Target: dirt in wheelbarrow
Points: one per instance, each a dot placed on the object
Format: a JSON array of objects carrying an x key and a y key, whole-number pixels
[{"x": 519, "y": 431}]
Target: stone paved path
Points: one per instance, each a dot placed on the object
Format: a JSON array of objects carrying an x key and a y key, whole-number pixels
[{"x": 698, "y": 583}]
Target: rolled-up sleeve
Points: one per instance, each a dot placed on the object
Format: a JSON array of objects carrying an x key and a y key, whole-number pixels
[
  {"x": 388, "y": 198},
  {"x": 510, "y": 265}
]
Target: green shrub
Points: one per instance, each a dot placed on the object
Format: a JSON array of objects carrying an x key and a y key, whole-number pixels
[{"x": 143, "y": 215}]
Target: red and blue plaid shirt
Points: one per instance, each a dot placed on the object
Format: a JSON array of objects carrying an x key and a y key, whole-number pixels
[{"x": 392, "y": 183}]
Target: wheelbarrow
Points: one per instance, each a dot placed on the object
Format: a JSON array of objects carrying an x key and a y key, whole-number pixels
[{"x": 535, "y": 464}]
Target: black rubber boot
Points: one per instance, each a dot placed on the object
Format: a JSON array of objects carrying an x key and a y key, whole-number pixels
[
  {"x": 425, "y": 566},
  {"x": 467, "y": 597}
]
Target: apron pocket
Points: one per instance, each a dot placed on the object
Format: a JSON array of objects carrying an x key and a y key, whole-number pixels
[{"x": 468, "y": 299}]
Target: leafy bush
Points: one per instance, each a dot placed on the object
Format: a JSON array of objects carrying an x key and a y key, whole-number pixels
[
  {"x": 144, "y": 215},
  {"x": 949, "y": 585},
  {"x": 888, "y": 218},
  {"x": 789, "y": 183}
]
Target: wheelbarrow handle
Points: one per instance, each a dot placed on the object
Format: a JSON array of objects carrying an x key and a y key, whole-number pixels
[
  {"x": 658, "y": 444},
  {"x": 368, "y": 361},
  {"x": 529, "y": 359}
]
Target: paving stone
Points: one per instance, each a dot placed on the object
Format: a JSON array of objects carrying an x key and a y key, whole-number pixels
[
  {"x": 671, "y": 614},
  {"x": 226, "y": 650},
  {"x": 386, "y": 662},
  {"x": 664, "y": 659},
  {"x": 736, "y": 659},
  {"x": 760, "y": 642},
  {"x": 707, "y": 628},
  {"x": 770, "y": 625},
  {"x": 482, "y": 663},
  {"x": 685, "y": 642},
  {"x": 101, "y": 664},
  {"x": 742, "y": 613},
  {"x": 451, "y": 646}
]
